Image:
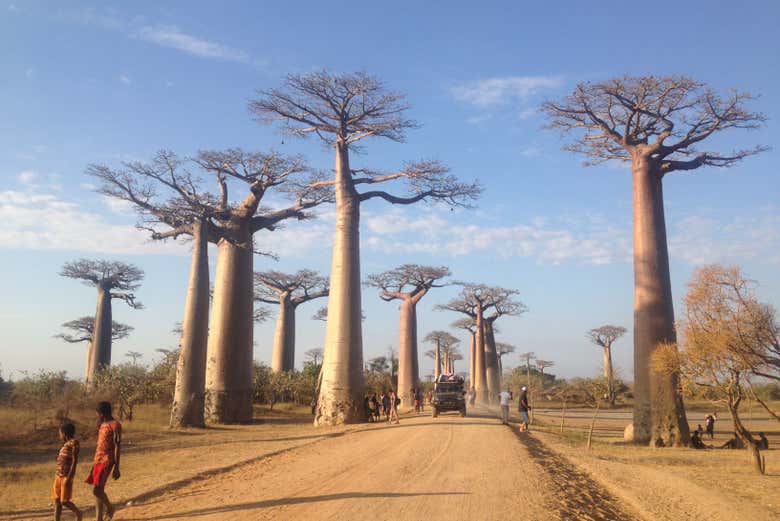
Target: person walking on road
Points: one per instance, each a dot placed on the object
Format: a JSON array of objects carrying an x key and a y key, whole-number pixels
[
  {"x": 523, "y": 408},
  {"x": 394, "y": 402},
  {"x": 503, "y": 398}
]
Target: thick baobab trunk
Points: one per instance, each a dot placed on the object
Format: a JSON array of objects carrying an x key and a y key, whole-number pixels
[
  {"x": 88, "y": 363},
  {"x": 341, "y": 395},
  {"x": 609, "y": 375},
  {"x": 230, "y": 347},
  {"x": 408, "y": 371},
  {"x": 189, "y": 395},
  {"x": 283, "y": 357},
  {"x": 480, "y": 384},
  {"x": 659, "y": 416},
  {"x": 437, "y": 362},
  {"x": 472, "y": 362},
  {"x": 101, "y": 335},
  {"x": 491, "y": 363}
]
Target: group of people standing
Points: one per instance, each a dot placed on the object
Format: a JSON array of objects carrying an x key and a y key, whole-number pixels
[
  {"x": 385, "y": 404},
  {"x": 505, "y": 396}
]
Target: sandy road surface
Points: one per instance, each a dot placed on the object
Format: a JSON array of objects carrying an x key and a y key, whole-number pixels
[{"x": 423, "y": 469}]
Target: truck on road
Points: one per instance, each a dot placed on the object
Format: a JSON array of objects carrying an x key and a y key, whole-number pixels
[{"x": 448, "y": 395}]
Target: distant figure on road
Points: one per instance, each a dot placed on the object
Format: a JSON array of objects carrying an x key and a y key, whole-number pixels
[
  {"x": 421, "y": 398},
  {"x": 503, "y": 399},
  {"x": 385, "y": 405},
  {"x": 472, "y": 396},
  {"x": 367, "y": 409},
  {"x": 415, "y": 400},
  {"x": 375, "y": 407},
  {"x": 394, "y": 402},
  {"x": 763, "y": 443},
  {"x": 523, "y": 408},
  {"x": 709, "y": 424}
]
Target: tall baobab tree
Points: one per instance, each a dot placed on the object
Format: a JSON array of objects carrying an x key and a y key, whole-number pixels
[
  {"x": 542, "y": 365},
  {"x": 342, "y": 110},
  {"x": 134, "y": 356},
  {"x": 474, "y": 301},
  {"x": 657, "y": 124},
  {"x": 469, "y": 324},
  {"x": 408, "y": 283},
  {"x": 444, "y": 343},
  {"x": 215, "y": 362},
  {"x": 288, "y": 291},
  {"x": 502, "y": 348},
  {"x": 604, "y": 337},
  {"x": 83, "y": 331},
  {"x": 113, "y": 280}
]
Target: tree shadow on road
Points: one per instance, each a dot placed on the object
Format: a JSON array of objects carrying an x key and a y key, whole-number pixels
[
  {"x": 290, "y": 501},
  {"x": 580, "y": 496}
]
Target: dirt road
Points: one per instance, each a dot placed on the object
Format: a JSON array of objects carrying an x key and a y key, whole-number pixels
[{"x": 423, "y": 469}]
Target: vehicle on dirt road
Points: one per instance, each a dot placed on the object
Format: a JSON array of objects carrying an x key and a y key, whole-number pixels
[{"x": 448, "y": 395}]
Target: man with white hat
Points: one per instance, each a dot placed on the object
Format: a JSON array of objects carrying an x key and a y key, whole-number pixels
[{"x": 523, "y": 408}]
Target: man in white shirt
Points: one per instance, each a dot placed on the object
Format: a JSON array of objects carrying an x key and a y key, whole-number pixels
[{"x": 504, "y": 397}]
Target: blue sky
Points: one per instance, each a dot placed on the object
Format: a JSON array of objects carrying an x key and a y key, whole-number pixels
[{"x": 105, "y": 82}]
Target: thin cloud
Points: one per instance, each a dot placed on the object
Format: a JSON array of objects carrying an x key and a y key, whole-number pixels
[
  {"x": 124, "y": 78},
  {"x": 171, "y": 36},
  {"x": 499, "y": 91},
  {"x": 28, "y": 177}
]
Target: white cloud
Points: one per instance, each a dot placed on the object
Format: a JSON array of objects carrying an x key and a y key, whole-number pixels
[
  {"x": 12, "y": 8},
  {"x": 171, "y": 36},
  {"x": 28, "y": 177},
  {"x": 30, "y": 72},
  {"x": 498, "y": 91},
  {"x": 124, "y": 78}
]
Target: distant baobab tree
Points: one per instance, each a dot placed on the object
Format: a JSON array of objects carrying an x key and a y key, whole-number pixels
[
  {"x": 313, "y": 355},
  {"x": 542, "y": 365},
  {"x": 444, "y": 343},
  {"x": 657, "y": 124},
  {"x": 171, "y": 202},
  {"x": 469, "y": 324},
  {"x": 134, "y": 355},
  {"x": 83, "y": 331},
  {"x": 503, "y": 348},
  {"x": 527, "y": 357},
  {"x": 321, "y": 314},
  {"x": 113, "y": 280},
  {"x": 288, "y": 291},
  {"x": 604, "y": 337},
  {"x": 342, "y": 110},
  {"x": 408, "y": 283}
]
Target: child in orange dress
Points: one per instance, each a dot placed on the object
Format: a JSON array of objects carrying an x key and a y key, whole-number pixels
[
  {"x": 67, "y": 459},
  {"x": 106, "y": 461}
]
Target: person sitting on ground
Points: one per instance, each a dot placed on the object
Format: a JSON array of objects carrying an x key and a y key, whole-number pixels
[
  {"x": 106, "y": 461},
  {"x": 67, "y": 460},
  {"x": 763, "y": 443},
  {"x": 696, "y": 442},
  {"x": 733, "y": 443}
]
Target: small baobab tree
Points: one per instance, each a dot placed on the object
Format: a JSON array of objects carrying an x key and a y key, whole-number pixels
[
  {"x": 83, "y": 330},
  {"x": 503, "y": 348},
  {"x": 313, "y": 356},
  {"x": 444, "y": 343},
  {"x": 604, "y": 337},
  {"x": 288, "y": 291},
  {"x": 343, "y": 110},
  {"x": 134, "y": 356},
  {"x": 408, "y": 283},
  {"x": 541, "y": 365},
  {"x": 658, "y": 124},
  {"x": 215, "y": 361},
  {"x": 113, "y": 280}
]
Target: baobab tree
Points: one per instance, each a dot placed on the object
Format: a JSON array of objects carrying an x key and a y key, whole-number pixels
[
  {"x": 408, "y": 283},
  {"x": 443, "y": 343},
  {"x": 474, "y": 301},
  {"x": 342, "y": 110},
  {"x": 542, "y": 365},
  {"x": 113, "y": 280},
  {"x": 604, "y": 337},
  {"x": 313, "y": 356},
  {"x": 214, "y": 372},
  {"x": 134, "y": 356},
  {"x": 502, "y": 348},
  {"x": 288, "y": 291},
  {"x": 657, "y": 124},
  {"x": 527, "y": 357},
  {"x": 83, "y": 330},
  {"x": 469, "y": 324}
]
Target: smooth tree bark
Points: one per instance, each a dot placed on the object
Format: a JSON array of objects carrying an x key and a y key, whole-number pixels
[
  {"x": 408, "y": 284},
  {"x": 604, "y": 337},
  {"x": 656, "y": 124},
  {"x": 83, "y": 330},
  {"x": 288, "y": 291},
  {"x": 113, "y": 280},
  {"x": 469, "y": 324},
  {"x": 172, "y": 203},
  {"x": 342, "y": 110}
]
